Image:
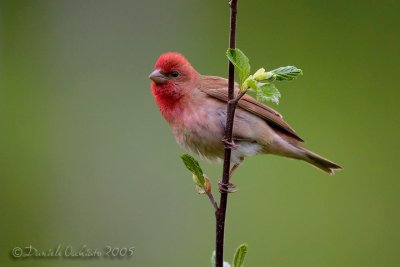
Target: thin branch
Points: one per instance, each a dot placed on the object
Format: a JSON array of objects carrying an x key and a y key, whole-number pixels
[
  {"x": 240, "y": 95},
  {"x": 212, "y": 200},
  {"x": 220, "y": 213}
]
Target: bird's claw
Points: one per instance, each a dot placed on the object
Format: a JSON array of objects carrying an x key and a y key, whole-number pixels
[
  {"x": 227, "y": 188},
  {"x": 229, "y": 144}
]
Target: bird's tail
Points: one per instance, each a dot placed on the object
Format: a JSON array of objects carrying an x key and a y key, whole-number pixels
[{"x": 320, "y": 162}]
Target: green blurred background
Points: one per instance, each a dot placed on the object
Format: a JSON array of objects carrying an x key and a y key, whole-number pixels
[{"x": 86, "y": 158}]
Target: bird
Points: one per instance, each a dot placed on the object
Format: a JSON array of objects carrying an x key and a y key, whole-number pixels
[{"x": 195, "y": 107}]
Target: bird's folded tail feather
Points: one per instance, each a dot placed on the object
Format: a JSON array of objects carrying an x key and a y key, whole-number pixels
[{"x": 320, "y": 162}]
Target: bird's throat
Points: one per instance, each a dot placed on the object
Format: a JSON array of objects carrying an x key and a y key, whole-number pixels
[{"x": 169, "y": 101}]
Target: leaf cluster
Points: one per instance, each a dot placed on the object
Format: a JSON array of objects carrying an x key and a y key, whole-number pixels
[{"x": 261, "y": 82}]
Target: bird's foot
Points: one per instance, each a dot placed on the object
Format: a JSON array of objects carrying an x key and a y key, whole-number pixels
[
  {"x": 227, "y": 188},
  {"x": 229, "y": 144}
]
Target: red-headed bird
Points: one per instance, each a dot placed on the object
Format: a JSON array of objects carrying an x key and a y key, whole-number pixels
[{"x": 194, "y": 105}]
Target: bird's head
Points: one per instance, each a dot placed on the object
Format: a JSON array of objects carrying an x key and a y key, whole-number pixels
[{"x": 172, "y": 74}]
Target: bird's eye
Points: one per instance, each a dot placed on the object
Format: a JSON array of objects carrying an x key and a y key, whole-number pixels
[{"x": 174, "y": 74}]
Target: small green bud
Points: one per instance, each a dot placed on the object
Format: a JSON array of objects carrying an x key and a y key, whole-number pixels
[
  {"x": 260, "y": 75},
  {"x": 207, "y": 184},
  {"x": 245, "y": 84},
  {"x": 269, "y": 76},
  {"x": 197, "y": 181},
  {"x": 200, "y": 190}
]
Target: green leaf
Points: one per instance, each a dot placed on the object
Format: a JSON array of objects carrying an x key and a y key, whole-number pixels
[
  {"x": 194, "y": 167},
  {"x": 264, "y": 91},
  {"x": 286, "y": 73},
  {"x": 240, "y": 253},
  {"x": 268, "y": 92},
  {"x": 240, "y": 61}
]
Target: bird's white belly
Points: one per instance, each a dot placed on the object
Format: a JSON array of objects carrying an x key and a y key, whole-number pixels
[{"x": 245, "y": 149}]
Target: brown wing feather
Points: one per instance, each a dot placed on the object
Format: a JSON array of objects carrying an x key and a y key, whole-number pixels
[{"x": 218, "y": 88}]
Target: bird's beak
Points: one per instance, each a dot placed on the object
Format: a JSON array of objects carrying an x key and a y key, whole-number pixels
[{"x": 158, "y": 77}]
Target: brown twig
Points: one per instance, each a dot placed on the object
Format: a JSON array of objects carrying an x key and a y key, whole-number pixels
[
  {"x": 212, "y": 200},
  {"x": 232, "y": 103}
]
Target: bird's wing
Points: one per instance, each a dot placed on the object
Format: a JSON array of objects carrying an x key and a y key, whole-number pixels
[{"x": 217, "y": 87}]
